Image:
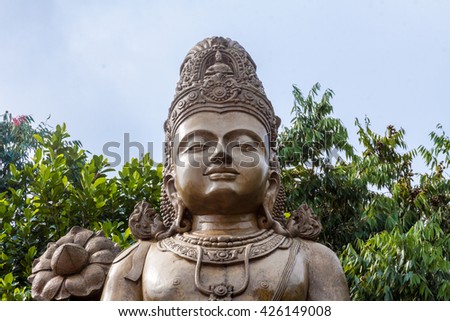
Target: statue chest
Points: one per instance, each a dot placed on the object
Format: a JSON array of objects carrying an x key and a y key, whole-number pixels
[{"x": 171, "y": 276}]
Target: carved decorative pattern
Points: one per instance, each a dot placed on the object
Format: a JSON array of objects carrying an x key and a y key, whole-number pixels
[
  {"x": 304, "y": 224},
  {"x": 144, "y": 222},
  {"x": 266, "y": 247},
  {"x": 219, "y": 73},
  {"x": 278, "y": 208},
  {"x": 225, "y": 241},
  {"x": 221, "y": 292},
  {"x": 223, "y": 255},
  {"x": 180, "y": 249}
]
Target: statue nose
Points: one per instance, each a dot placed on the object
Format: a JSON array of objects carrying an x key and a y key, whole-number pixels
[{"x": 220, "y": 156}]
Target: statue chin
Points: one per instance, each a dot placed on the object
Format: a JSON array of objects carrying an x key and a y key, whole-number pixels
[{"x": 223, "y": 201}]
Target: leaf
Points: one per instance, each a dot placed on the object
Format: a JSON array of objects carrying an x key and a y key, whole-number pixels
[
  {"x": 9, "y": 278},
  {"x": 38, "y": 138},
  {"x": 38, "y": 155},
  {"x": 100, "y": 204},
  {"x": 99, "y": 181}
]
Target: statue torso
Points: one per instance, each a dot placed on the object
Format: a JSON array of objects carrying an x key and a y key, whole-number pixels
[{"x": 264, "y": 270}]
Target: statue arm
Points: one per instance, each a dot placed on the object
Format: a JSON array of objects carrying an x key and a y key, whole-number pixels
[{"x": 327, "y": 281}]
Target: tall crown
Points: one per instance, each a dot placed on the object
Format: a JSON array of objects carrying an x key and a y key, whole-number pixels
[{"x": 219, "y": 75}]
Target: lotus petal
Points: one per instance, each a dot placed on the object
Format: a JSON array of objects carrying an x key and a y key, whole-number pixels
[
  {"x": 69, "y": 259},
  {"x": 51, "y": 247},
  {"x": 41, "y": 264},
  {"x": 90, "y": 279},
  {"x": 83, "y": 236},
  {"x": 94, "y": 276},
  {"x": 63, "y": 293},
  {"x": 38, "y": 283},
  {"x": 76, "y": 285},
  {"x": 68, "y": 238},
  {"x": 77, "y": 229},
  {"x": 97, "y": 243},
  {"x": 103, "y": 256},
  {"x": 52, "y": 287}
]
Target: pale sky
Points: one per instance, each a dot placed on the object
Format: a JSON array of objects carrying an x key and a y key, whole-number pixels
[{"x": 107, "y": 68}]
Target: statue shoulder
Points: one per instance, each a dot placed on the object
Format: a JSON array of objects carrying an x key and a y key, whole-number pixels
[
  {"x": 326, "y": 279},
  {"x": 318, "y": 252},
  {"x": 124, "y": 277}
]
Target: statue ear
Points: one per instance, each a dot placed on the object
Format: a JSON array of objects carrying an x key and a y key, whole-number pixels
[
  {"x": 171, "y": 191},
  {"x": 273, "y": 186},
  {"x": 169, "y": 186},
  {"x": 272, "y": 191}
]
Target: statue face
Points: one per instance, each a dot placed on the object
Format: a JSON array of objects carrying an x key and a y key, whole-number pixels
[{"x": 220, "y": 163}]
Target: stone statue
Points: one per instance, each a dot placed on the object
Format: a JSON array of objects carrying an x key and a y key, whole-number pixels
[{"x": 221, "y": 233}]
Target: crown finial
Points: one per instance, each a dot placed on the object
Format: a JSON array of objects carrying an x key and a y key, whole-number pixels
[
  {"x": 218, "y": 56},
  {"x": 219, "y": 66}
]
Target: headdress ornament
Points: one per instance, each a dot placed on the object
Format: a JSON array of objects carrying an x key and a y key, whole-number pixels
[{"x": 219, "y": 75}]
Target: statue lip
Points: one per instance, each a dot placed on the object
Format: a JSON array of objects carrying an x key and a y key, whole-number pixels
[
  {"x": 222, "y": 176},
  {"x": 221, "y": 172}
]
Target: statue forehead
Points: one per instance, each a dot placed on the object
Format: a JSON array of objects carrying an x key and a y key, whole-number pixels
[{"x": 221, "y": 124}]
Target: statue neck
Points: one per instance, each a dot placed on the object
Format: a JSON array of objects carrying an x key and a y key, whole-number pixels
[{"x": 223, "y": 224}]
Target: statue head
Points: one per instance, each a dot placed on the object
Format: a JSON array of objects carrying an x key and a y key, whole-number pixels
[{"x": 220, "y": 150}]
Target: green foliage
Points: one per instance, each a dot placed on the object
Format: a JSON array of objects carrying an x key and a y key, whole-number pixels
[
  {"x": 57, "y": 186},
  {"x": 389, "y": 225},
  {"x": 407, "y": 254},
  {"x": 16, "y": 143},
  {"x": 314, "y": 135},
  {"x": 114, "y": 231},
  {"x": 437, "y": 157},
  {"x": 10, "y": 290},
  {"x": 314, "y": 173},
  {"x": 401, "y": 266}
]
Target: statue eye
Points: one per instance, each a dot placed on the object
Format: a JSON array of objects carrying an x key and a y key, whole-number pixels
[
  {"x": 248, "y": 147},
  {"x": 195, "y": 147}
]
